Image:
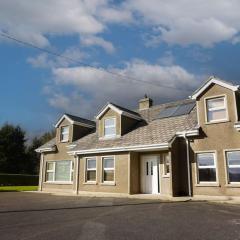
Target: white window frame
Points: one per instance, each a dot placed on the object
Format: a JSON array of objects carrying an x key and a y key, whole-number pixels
[
  {"x": 66, "y": 133},
  {"x": 50, "y": 171},
  {"x": 165, "y": 157},
  {"x": 54, "y": 172},
  {"x": 227, "y": 166},
  {"x": 90, "y": 169},
  {"x": 206, "y": 167},
  {"x": 104, "y": 127},
  {"x": 207, "y": 110},
  {"x": 102, "y": 177}
]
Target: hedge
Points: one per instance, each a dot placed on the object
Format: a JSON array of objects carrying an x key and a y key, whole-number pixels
[{"x": 18, "y": 180}]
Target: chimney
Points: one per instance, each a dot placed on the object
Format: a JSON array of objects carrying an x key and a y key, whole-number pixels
[{"x": 145, "y": 103}]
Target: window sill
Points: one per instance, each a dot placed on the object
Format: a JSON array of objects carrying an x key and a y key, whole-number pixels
[
  {"x": 216, "y": 122},
  {"x": 207, "y": 185},
  {"x": 64, "y": 141},
  {"x": 59, "y": 183},
  {"x": 110, "y": 137},
  {"x": 233, "y": 185},
  {"x": 90, "y": 183},
  {"x": 166, "y": 176},
  {"x": 108, "y": 184}
]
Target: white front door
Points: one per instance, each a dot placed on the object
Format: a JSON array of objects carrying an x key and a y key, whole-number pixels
[{"x": 150, "y": 174}]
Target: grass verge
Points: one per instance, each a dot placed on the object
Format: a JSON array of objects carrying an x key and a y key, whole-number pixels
[{"x": 18, "y": 188}]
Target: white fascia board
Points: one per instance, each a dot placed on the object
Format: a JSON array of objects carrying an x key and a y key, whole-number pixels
[
  {"x": 41, "y": 150},
  {"x": 109, "y": 105},
  {"x": 73, "y": 122},
  {"x": 213, "y": 81},
  {"x": 162, "y": 146},
  {"x": 190, "y": 133},
  {"x": 60, "y": 120},
  {"x": 120, "y": 112}
]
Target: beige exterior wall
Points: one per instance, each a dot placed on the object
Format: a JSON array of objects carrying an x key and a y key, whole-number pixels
[
  {"x": 60, "y": 154},
  {"x": 121, "y": 184},
  {"x": 216, "y": 137}
]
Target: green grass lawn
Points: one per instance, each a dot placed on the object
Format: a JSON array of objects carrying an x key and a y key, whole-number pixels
[{"x": 18, "y": 188}]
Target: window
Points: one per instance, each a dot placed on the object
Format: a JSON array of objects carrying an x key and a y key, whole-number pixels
[
  {"x": 233, "y": 166},
  {"x": 108, "y": 169},
  {"x": 166, "y": 165},
  {"x": 64, "y": 134},
  {"x": 50, "y": 170},
  {"x": 90, "y": 169},
  {"x": 109, "y": 127},
  {"x": 206, "y": 167},
  {"x": 59, "y": 171},
  {"x": 216, "y": 109}
]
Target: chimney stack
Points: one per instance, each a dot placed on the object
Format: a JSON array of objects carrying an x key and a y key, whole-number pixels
[{"x": 145, "y": 103}]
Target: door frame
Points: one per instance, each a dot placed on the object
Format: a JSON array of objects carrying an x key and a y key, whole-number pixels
[{"x": 158, "y": 158}]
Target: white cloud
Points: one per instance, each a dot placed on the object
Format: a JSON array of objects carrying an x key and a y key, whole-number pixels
[
  {"x": 187, "y": 22},
  {"x": 34, "y": 21},
  {"x": 92, "y": 88},
  {"x": 98, "y": 41},
  {"x": 44, "y": 60}
]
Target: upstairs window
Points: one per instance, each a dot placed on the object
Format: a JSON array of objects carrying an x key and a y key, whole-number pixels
[
  {"x": 216, "y": 109},
  {"x": 109, "y": 127},
  {"x": 64, "y": 137},
  {"x": 233, "y": 166},
  {"x": 206, "y": 167}
]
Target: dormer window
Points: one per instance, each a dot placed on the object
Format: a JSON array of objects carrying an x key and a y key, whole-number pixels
[
  {"x": 110, "y": 127},
  {"x": 216, "y": 109},
  {"x": 64, "y": 135}
]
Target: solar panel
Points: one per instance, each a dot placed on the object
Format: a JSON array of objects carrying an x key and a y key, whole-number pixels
[
  {"x": 167, "y": 112},
  {"x": 184, "y": 109},
  {"x": 175, "y": 111}
]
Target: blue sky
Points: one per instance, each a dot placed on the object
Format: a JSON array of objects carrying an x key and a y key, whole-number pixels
[{"x": 174, "y": 43}]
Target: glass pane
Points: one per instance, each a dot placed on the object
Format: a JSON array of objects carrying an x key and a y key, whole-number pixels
[
  {"x": 207, "y": 175},
  {"x": 109, "y": 122},
  {"x": 110, "y": 131},
  {"x": 234, "y": 174},
  {"x": 217, "y": 114},
  {"x": 65, "y": 129},
  {"x": 50, "y": 165},
  {"x": 91, "y": 163},
  {"x": 233, "y": 158},
  {"x": 49, "y": 176},
  {"x": 108, "y": 163},
  {"x": 215, "y": 103},
  {"x": 108, "y": 175},
  {"x": 62, "y": 171},
  {"x": 91, "y": 175},
  {"x": 205, "y": 159}
]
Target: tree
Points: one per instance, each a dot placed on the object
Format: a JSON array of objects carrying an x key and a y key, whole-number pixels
[
  {"x": 12, "y": 149},
  {"x": 33, "y": 156}
]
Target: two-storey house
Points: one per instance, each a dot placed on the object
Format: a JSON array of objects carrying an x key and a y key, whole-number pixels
[{"x": 188, "y": 147}]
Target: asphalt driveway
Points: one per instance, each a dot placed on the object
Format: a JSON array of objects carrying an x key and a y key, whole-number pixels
[{"x": 43, "y": 216}]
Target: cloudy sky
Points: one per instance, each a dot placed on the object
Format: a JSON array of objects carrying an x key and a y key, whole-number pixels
[{"x": 169, "y": 46}]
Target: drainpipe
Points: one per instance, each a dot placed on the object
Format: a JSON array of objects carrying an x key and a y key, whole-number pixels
[
  {"x": 188, "y": 166},
  {"x": 77, "y": 172},
  {"x": 41, "y": 169}
]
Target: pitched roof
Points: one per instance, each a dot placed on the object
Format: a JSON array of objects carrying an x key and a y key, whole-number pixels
[
  {"x": 148, "y": 132},
  {"x": 214, "y": 80},
  {"x": 48, "y": 146},
  {"x": 76, "y": 120},
  {"x": 120, "y": 110}
]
